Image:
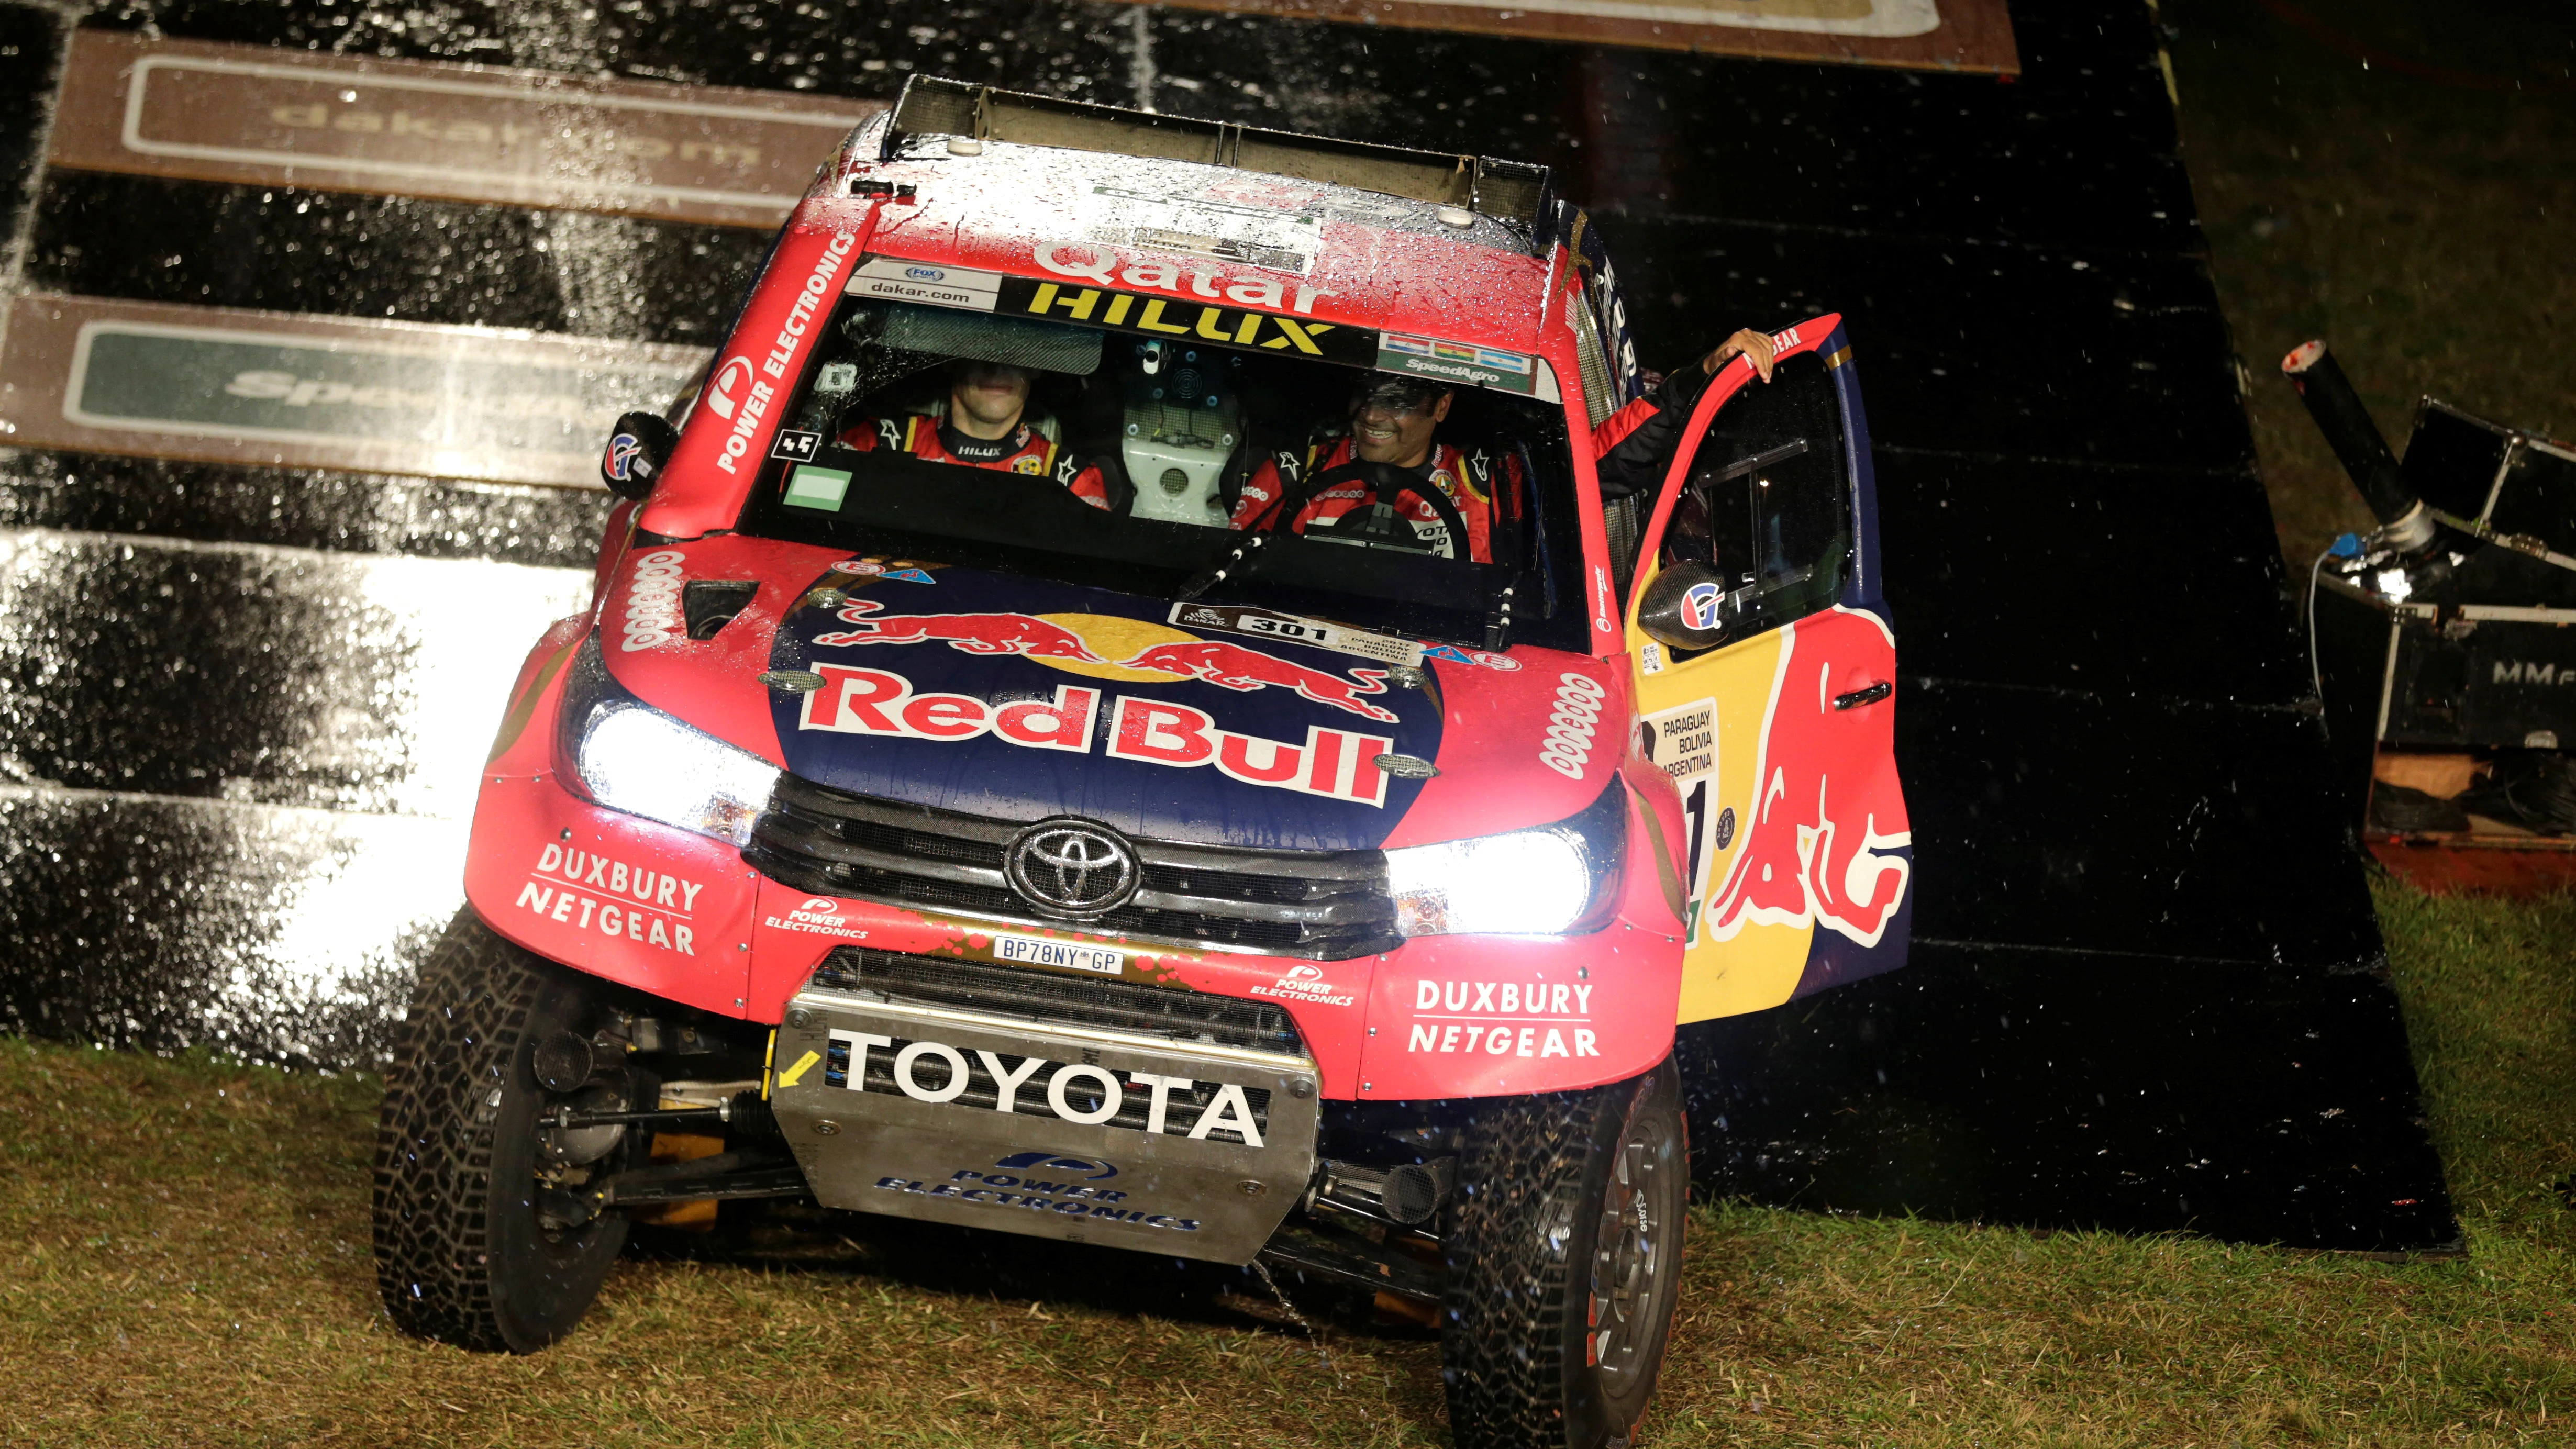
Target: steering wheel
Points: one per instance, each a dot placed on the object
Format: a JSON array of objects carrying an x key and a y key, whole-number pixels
[{"x": 1385, "y": 482}]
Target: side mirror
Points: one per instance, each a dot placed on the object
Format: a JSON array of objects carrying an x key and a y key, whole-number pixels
[
  {"x": 1686, "y": 608},
  {"x": 637, "y": 449}
]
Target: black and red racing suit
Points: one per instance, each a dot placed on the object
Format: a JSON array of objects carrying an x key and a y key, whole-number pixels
[
  {"x": 1481, "y": 485},
  {"x": 1022, "y": 450},
  {"x": 1633, "y": 447}
]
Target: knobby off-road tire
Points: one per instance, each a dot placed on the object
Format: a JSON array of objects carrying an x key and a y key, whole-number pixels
[
  {"x": 461, "y": 1255},
  {"x": 1564, "y": 1263}
]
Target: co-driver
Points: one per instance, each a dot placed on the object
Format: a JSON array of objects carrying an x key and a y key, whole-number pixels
[{"x": 983, "y": 423}]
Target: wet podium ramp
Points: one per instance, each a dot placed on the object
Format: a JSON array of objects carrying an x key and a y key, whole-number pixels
[{"x": 242, "y": 695}]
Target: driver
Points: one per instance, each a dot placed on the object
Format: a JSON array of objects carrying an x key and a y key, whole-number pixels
[
  {"x": 982, "y": 423},
  {"x": 1394, "y": 418}
]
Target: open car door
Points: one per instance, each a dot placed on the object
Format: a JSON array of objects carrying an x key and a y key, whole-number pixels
[{"x": 1770, "y": 697}]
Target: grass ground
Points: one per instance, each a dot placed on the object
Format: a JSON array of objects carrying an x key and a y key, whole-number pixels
[{"x": 184, "y": 1261}]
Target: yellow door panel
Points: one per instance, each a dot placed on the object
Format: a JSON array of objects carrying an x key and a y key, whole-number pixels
[{"x": 1708, "y": 718}]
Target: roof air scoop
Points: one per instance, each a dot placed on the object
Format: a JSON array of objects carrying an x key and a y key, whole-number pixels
[{"x": 1514, "y": 192}]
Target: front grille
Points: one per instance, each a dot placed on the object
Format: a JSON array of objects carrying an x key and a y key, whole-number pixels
[
  {"x": 1325, "y": 905},
  {"x": 1042, "y": 997}
]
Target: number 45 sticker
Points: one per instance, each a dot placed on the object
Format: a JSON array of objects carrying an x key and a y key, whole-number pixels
[{"x": 796, "y": 445}]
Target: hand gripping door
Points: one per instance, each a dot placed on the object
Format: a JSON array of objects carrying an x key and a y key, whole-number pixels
[{"x": 1769, "y": 696}]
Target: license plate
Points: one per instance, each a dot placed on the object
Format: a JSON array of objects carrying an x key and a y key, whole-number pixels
[{"x": 1036, "y": 951}]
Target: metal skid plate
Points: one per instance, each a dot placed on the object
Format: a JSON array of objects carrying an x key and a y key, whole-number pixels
[{"x": 1201, "y": 1155}]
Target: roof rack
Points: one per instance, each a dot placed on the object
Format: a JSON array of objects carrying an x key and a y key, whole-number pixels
[{"x": 1515, "y": 192}]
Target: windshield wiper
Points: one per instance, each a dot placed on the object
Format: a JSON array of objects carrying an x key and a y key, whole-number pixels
[
  {"x": 1246, "y": 554},
  {"x": 1231, "y": 564}
]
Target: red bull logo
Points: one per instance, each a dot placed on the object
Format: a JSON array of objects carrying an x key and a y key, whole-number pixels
[
  {"x": 1227, "y": 666},
  {"x": 873, "y": 702},
  {"x": 969, "y": 633},
  {"x": 1823, "y": 819},
  {"x": 1334, "y": 764},
  {"x": 1231, "y": 666}
]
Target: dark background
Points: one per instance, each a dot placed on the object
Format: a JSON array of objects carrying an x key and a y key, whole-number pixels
[{"x": 2148, "y": 990}]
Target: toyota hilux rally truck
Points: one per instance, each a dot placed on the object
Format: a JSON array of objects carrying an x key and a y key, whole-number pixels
[{"x": 1067, "y": 846}]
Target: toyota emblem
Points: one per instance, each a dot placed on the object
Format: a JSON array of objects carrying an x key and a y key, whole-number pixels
[{"x": 1073, "y": 867}]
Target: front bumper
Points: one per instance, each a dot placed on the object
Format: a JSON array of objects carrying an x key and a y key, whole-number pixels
[
  {"x": 1440, "y": 1016},
  {"x": 1134, "y": 1140}
]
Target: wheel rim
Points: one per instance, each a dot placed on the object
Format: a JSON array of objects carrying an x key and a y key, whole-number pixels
[{"x": 1634, "y": 1250}]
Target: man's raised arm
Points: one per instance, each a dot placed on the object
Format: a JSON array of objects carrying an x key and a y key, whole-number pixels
[{"x": 1635, "y": 444}]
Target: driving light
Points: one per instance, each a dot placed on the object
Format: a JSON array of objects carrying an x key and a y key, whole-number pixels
[
  {"x": 1550, "y": 881},
  {"x": 629, "y": 756}
]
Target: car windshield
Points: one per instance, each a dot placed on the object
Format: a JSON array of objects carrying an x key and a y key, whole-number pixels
[{"x": 1124, "y": 459}]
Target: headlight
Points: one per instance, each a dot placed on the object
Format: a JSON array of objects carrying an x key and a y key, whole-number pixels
[
  {"x": 1554, "y": 880},
  {"x": 629, "y": 756}
]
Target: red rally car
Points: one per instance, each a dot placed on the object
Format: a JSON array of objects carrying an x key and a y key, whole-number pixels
[{"x": 1134, "y": 709}]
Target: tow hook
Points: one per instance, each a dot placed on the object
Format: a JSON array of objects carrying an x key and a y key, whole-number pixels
[{"x": 1407, "y": 1196}]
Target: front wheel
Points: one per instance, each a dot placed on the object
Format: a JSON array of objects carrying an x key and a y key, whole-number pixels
[
  {"x": 472, "y": 1245},
  {"x": 1564, "y": 1264}
]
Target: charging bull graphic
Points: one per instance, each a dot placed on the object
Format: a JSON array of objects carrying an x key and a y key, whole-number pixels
[
  {"x": 1227, "y": 666},
  {"x": 1231, "y": 666},
  {"x": 1828, "y": 840},
  {"x": 1024, "y": 634}
]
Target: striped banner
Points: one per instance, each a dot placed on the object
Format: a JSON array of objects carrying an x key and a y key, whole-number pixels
[
  {"x": 281, "y": 389},
  {"x": 196, "y": 111}
]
